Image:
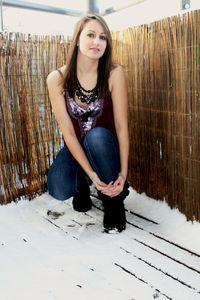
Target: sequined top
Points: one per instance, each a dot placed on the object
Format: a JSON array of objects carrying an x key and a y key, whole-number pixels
[
  {"x": 97, "y": 114},
  {"x": 86, "y": 116}
]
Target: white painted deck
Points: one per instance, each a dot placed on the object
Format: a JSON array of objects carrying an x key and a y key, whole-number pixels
[{"x": 47, "y": 258}]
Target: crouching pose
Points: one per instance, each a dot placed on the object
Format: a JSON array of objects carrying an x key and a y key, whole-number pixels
[{"x": 89, "y": 100}]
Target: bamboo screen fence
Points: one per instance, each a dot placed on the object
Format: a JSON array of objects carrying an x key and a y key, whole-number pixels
[{"x": 162, "y": 64}]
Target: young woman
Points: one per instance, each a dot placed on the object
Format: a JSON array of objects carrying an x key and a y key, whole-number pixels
[{"x": 89, "y": 100}]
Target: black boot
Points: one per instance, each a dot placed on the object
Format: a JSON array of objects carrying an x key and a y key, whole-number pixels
[
  {"x": 114, "y": 212},
  {"x": 82, "y": 201}
]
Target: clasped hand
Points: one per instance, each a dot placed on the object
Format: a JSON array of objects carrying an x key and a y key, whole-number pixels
[{"x": 111, "y": 189}]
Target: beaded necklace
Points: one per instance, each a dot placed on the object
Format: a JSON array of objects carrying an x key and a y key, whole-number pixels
[{"x": 86, "y": 96}]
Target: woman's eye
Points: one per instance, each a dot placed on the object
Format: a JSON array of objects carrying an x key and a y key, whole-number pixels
[
  {"x": 102, "y": 37},
  {"x": 91, "y": 35}
]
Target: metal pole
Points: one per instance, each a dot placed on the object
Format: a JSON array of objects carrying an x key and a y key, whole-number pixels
[
  {"x": 41, "y": 7},
  {"x": 2, "y": 29},
  {"x": 113, "y": 9},
  {"x": 185, "y": 4},
  {"x": 92, "y": 7}
]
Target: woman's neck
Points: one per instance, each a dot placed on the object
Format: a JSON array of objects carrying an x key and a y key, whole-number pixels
[
  {"x": 86, "y": 65},
  {"x": 87, "y": 72}
]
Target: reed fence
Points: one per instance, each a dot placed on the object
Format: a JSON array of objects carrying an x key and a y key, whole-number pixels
[
  {"x": 30, "y": 137},
  {"x": 162, "y": 65}
]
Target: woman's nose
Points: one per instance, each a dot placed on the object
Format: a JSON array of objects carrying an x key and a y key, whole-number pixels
[{"x": 96, "y": 40}]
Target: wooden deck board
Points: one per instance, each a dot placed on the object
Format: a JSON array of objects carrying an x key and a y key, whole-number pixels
[{"x": 70, "y": 258}]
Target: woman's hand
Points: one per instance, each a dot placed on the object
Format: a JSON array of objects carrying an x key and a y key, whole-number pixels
[
  {"x": 111, "y": 189},
  {"x": 114, "y": 189},
  {"x": 97, "y": 182}
]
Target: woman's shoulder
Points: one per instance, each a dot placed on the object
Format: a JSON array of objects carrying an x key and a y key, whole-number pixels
[
  {"x": 116, "y": 74},
  {"x": 116, "y": 69},
  {"x": 62, "y": 69},
  {"x": 56, "y": 75}
]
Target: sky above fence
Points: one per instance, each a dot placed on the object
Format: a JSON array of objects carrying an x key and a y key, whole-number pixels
[{"x": 21, "y": 20}]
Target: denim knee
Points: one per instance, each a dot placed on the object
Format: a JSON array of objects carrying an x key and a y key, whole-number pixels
[
  {"x": 99, "y": 136},
  {"x": 102, "y": 150},
  {"x": 62, "y": 181}
]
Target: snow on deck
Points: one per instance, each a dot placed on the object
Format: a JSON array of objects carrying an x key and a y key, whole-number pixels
[{"x": 45, "y": 256}]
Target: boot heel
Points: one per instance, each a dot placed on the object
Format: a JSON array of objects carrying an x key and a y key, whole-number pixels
[{"x": 82, "y": 201}]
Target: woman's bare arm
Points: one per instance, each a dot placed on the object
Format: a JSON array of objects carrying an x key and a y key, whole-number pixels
[
  {"x": 118, "y": 90},
  {"x": 65, "y": 124}
]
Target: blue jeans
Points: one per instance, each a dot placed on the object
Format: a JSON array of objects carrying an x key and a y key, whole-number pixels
[{"x": 102, "y": 150}]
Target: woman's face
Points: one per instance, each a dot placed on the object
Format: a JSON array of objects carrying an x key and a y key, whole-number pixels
[{"x": 92, "y": 41}]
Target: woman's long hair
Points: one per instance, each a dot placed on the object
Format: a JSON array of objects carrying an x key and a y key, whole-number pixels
[{"x": 105, "y": 62}]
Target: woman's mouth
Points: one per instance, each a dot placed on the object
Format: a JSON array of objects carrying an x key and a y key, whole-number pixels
[{"x": 96, "y": 50}]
